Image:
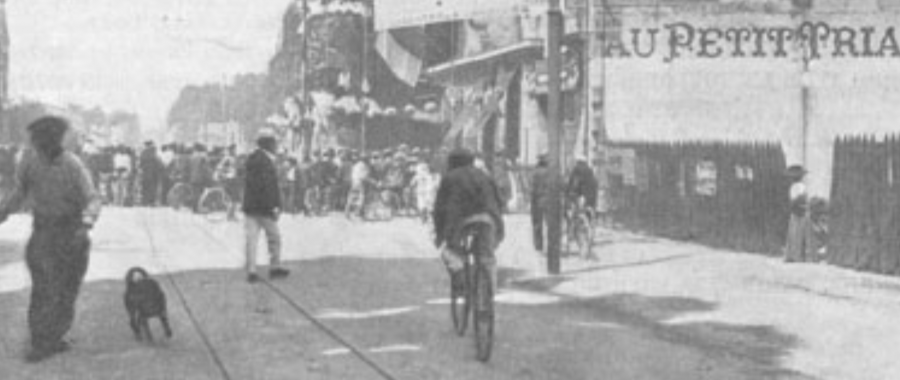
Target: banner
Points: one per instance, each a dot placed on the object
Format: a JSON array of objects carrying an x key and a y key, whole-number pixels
[
  {"x": 404, "y": 64},
  {"x": 392, "y": 14}
]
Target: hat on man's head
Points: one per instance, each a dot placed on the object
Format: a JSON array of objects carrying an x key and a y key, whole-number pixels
[
  {"x": 796, "y": 170},
  {"x": 460, "y": 157},
  {"x": 47, "y": 134}
]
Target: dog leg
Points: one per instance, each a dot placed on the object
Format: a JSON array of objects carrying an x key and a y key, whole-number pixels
[
  {"x": 146, "y": 323},
  {"x": 135, "y": 325},
  {"x": 164, "y": 319}
]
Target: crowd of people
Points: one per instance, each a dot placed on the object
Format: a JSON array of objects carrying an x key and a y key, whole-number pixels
[{"x": 340, "y": 179}]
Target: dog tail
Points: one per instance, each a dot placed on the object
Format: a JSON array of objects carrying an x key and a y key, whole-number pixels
[{"x": 133, "y": 272}]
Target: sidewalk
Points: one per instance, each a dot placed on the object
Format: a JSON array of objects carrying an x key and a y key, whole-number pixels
[{"x": 845, "y": 323}]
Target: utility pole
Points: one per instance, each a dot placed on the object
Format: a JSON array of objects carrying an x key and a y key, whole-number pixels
[
  {"x": 305, "y": 107},
  {"x": 587, "y": 105},
  {"x": 364, "y": 81},
  {"x": 554, "y": 125}
]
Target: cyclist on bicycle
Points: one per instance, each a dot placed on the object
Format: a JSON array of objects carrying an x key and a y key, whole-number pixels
[
  {"x": 467, "y": 198},
  {"x": 582, "y": 185}
]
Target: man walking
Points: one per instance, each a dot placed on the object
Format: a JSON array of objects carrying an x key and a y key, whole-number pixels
[
  {"x": 262, "y": 206},
  {"x": 65, "y": 207}
]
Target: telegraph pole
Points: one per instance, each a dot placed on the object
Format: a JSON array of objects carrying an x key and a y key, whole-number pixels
[
  {"x": 305, "y": 108},
  {"x": 554, "y": 126},
  {"x": 364, "y": 82}
]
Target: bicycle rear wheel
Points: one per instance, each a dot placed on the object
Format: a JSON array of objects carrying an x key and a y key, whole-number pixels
[
  {"x": 215, "y": 204},
  {"x": 312, "y": 200},
  {"x": 585, "y": 237},
  {"x": 483, "y": 315},
  {"x": 180, "y": 196},
  {"x": 460, "y": 300}
]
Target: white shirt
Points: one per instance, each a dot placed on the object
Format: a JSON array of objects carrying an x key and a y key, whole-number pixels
[
  {"x": 166, "y": 156},
  {"x": 359, "y": 173},
  {"x": 798, "y": 190},
  {"x": 122, "y": 161}
]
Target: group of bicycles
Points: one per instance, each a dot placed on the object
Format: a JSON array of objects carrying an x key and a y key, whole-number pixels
[{"x": 212, "y": 202}]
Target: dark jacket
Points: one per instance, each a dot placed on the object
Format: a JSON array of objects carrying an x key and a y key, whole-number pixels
[
  {"x": 150, "y": 164},
  {"x": 262, "y": 194},
  {"x": 462, "y": 193},
  {"x": 540, "y": 183},
  {"x": 583, "y": 183}
]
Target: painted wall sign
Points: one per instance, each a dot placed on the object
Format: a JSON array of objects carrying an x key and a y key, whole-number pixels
[{"x": 815, "y": 40}]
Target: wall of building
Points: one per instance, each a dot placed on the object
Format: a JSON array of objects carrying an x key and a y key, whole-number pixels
[{"x": 711, "y": 91}]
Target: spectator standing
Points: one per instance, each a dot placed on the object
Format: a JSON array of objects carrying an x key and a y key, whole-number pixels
[
  {"x": 123, "y": 166},
  {"x": 425, "y": 183},
  {"x": 262, "y": 206},
  {"x": 359, "y": 178},
  {"x": 166, "y": 158},
  {"x": 151, "y": 169},
  {"x": 304, "y": 181},
  {"x": 800, "y": 246},
  {"x": 539, "y": 197},
  {"x": 65, "y": 207},
  {"x": 200, "y": 176},
  {"x": 227, "y": 174}
]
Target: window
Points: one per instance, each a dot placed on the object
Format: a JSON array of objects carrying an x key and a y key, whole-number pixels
[{"x": 706, "y": 179}]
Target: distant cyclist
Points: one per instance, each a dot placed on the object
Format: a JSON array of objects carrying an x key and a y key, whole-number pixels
[
  {"x": 582, "y": 185},
  {"x": 467, "y": 198}
]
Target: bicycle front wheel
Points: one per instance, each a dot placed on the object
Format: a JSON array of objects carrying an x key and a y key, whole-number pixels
[
  {"x": 460, "y": 300},
  {"x": 483, "y": 315}
]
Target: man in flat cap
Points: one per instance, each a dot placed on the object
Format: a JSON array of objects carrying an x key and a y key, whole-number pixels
[{"x": 65, "y": 207}]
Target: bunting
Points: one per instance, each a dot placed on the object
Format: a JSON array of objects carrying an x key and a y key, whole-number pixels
[{"x": 406, "y": 66}]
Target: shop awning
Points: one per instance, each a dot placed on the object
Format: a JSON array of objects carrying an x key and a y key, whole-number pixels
[{"x": 474, "y": 68}]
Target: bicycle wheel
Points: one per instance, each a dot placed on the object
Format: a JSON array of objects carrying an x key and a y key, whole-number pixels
[
  {"x": 584, "y": 232},
  {"x": 392, "y": 201},
  {"x": 483, "y": 314},
  {"x": 180, "y": 196},
  {"x": 312, "y": 201},
  {"x": 215, "y": 204},
  {"x": 460, "y": 304}
]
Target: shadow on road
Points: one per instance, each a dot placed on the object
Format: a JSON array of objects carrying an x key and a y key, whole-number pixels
[{"x": 619, "y": 336}]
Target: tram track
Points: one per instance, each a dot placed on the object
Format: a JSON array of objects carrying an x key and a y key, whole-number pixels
[
  {"x": 274, "y": 289},
  {"x": 195, "y": 323}
]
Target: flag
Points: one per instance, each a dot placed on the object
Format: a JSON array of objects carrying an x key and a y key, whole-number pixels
[{"x": 406, "y": 66}]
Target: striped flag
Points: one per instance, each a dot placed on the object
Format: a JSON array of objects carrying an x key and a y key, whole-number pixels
[{"x": 406, "y": 66}]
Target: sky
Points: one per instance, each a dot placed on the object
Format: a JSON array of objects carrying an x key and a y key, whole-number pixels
[{"x": 135, "y": 55}]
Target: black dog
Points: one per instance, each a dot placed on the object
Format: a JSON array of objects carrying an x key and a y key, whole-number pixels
[{"x": 144, "y": 299}]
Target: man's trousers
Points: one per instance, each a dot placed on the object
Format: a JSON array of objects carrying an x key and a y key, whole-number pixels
[{"x": 57, "y": 258}]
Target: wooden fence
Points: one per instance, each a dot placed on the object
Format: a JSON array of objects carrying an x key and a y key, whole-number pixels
[
  {"x": 725, "y": 195},
  {"x": 864, "y": 217}
]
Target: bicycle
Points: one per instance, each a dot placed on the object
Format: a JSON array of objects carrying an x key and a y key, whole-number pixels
[
  {"x": 318, "y": 200},
  {"x": 215, "y": 203},
  {"x": 472, "y": 295},
  {"x": 579, "y": 227},
  {"x": 377, "y": 206},
  {"x": 181, "y": 195}
]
